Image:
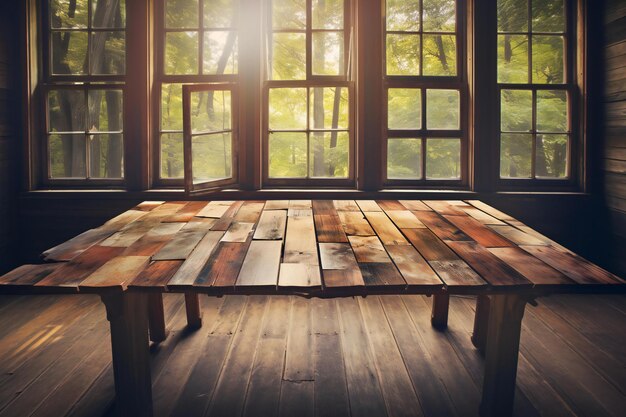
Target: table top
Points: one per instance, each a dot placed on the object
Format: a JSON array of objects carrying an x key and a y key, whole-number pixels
[{"x": 312, "y": 247}]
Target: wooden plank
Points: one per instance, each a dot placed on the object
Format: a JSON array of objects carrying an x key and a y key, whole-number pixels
[
  {"x": 481, "y": 216},
  {"x": 415, "y": 205},
  {"x": 429, "y": 245},
  {"x": 381, "y": 275},
  {"x": 299, "y": 212},
  {"x": 368, "y": 249},
  {"x": 188, "y": 272},
  {"x": 77, "y": 245},
  {"x": 223, "y": 266},
  {"x": 238, "y": 232},
  {"x": 340, "y": 278},
  {"x": 187, "y": 213},
  {"x": 491, "y": 268},
  {"x": 215, "y": 209},
  {"x": 457, "y": 203},
  {"x": 249, "y": 212},
  {"x": 300, "y": 243},
  {"x": 28, "y": 275},
  {"x": 479, "y": 232},
  {"x": 271, "y": 225},
  {"x": 346, "y": 205},
  {"x": 323, "y": 207},
  {"x": 277, "y": 205},
  {"x": 300, "y": 204},
  {"x": 368, "y": 205},
  {"x": 456, "y": 273},
  {"x": 444, "y": 207},
  {"x": 148, "y": 205},
  {"x": 573, "y": 266},
  {"x": 490, "y": 210},
  {"x": 156, "y": 275},
  {"x": 354, "y": 223},
  {"x": 390, "y": 205},
  {"x": 74, "y": 272},
  {"x": 224, "y": 222},
  {"x": 261, "y": 264},
  {"x": 404, "y": 219},
  {"x": 154, "y": 240},
  {"x": 329, "y": 228},
  {"x": 385, "y": 229},
  {"x": 413, "y": 267},
  {"x": 299, "y": 275},
  {"x": 530, "y": 267},
  {"x": 115, "y": 273},
  {"x": 337, "y": 256},
  {"x": 440, "y": 226},
  {"x": 517, "y": 236},
  {"x": 182, "y": 243}
]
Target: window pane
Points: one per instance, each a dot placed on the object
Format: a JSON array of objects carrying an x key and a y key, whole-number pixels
[
  {"x": 105, "y": 111},
  {"x": 442, "y": 109},
  {"x": 172, "y": 107},
  {"x": 512, "y": 15},
  {"x": 68, "y": 14},
  {"x": 108, "y": 53},
  {"x": 106, "y": 156},
  {"x": 327, "y": 53},
  {"x": 516, "y": 155},
  {"x": 181, "y": 53},
  {"x": 404, "y": 159},
  {"x": 551, "y": 111},
  {"x": 66, "y": 111},
  {"x": 172, "y": 165},
  {"x": 329, "y": 108},
  {"x": 211, "y": 111},
  {"x": 516, "y": 110},
  {"x": 220, "y": 14},
  {"x": 329, "y": 154},
  {"x": 548, "y": 59},
  {"x": 403, "y": 54},
  {"x": 287, "y": 108},
  {"x": 443, "y": 159},
  {"x": 404, "y": 108},
  {"x": 327, "y": 14},
  {"x": 67, "y": 156},
  {"x": 220, "y": 52},
  {"x": 551, "y": 156},
  {"x": 439, "y": 15},
  {"x": 548, "y": 16},
  {"x": 211, "y": 157},
  {"x": 289, "y": 14},
  {"x": 439, "y": 55},
  {"x": 513, "y": 59},
  {"x": 287, "y": 155},
  {"x": 69, "y": 52},
  {"x": 108, "y": 14},
  {"x": 181, "y": 13},
  {"x": 288, "y": 56},
  {"x": 403, "y": 15}
]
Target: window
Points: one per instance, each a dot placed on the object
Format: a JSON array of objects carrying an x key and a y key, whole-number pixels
[
  {"x": 425, "y": 93},
  {"x": 535, "y": 85},
  {"x": 309, "y": 139},
  {"x": 84, "y": 89}
]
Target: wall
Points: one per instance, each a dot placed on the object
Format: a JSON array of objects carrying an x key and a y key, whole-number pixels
[
  {"x": 9, "y": 126},
  {"x": 614, "y": 157}
]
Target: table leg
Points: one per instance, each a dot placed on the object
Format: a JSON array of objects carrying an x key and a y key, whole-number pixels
[
  {"x": 128, "y": 315},
  {"x": 481, "y": 323},
  {"x": 439, "y": 317},
  {"x": 502, "y": 351},
  {"x": 194, "y": 314},
  {"x": 156, "y": 317}
]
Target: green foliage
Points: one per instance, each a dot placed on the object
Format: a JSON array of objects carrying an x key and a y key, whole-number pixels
[
  {"x": 404, "y": 158},
  {"x": 516, "y": 110},
  {"x": 515, "y": 155},
  {"x": 443, "y": 159},
  {"x": 404, "y": 108},
  {"x": 443, "y": 108}
]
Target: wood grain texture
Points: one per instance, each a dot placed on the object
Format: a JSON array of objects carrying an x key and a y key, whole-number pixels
[
  {"x": 517, "y": 236},
  {"x": 414, "y": 205},
  {"x": 28, "y": 275},
  {"x": 300, "y": 241},
  {"x": 215, "y": 209},
  {"x": 440, "y": 226},
  {"x": 196, "y": 261},
  {"x": 261, "y": 264},
  {"x": 534, "y": 270},
  {"x": 328, "y": 228},
  {"x": 413, "y": 267},
  {"x": 444, "y": 208},
  {"x": 354, "y": 223},
  {"x": 249, "y": 212},
  {"x": 481, "y": 216},
  {"x": 429, "y": 246},
  {"x": 368, "y": 205},
  {"x": 456, "y": 273},
  {"x": 479, "y": 232},
  {"x": 337, "y": 256},
  {"x": 339, "y": 278},
  {"x": 222, "y": 268},
  {"x": 404, "y": 219},
  {"x": 277, "y": 205},
  {"x": 368, "y": 249},
  {"x": 346, "y": 205},
  {"x": 156, "y": 275},
  {"x": 181, "y": 245},
  {"x": 154, "y": 240},
  {"x": 238, "y": 232},
  {"x": 116, "y": 273},
  {"x": 187, "y": 213},
  {"x": 299, "y": 275},
  {"x": 224, "y": 222},
  {"x": 385, "y": 229},
  {"x": 390, "y": 205},
  {"x": 381, "y": 275},
  {"x": 323, "y": 207}
]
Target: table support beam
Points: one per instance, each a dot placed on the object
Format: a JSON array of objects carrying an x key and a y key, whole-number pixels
[
  {"x": 439, "y": 316},
  {"x": 481, "y": 323},
  {"x": 128, "y": 315},
  {"x": 501, "y": 355},
  {"x": 156, "y": 317},
  {"x": 194, "y": 313}
]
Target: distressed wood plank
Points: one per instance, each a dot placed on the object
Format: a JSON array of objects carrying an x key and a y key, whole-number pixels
[
  {"x": 271, "y": 225},
  {"x": 444, "y": 208},
  {"x": 224, "y": 222},
  {"x": 196, "y": 261},
  {"x": 346, "y": 205},
  {"x": 215, "y": 209},
  {"x": 77, "y": 245},
  {"x": 183, "y": 242},
  {"x": 300, "y": 243},
  {"x": 479, "y": 232},
  {"x": 261, "y": 264},
  {"x": 413, "y": 267},
  {"x": 249, "y": 212},
  {"x": 154, "y": 240},
  {"x": 116, "y": 273},
  {"x": 368, "y": 249},
  {"x": 299, "y": 275},
  {"x": 490, "y": 210},
  {"x": 156, "y": 275},
  {"x": 277, "y": 205},
  {"x": 429, "y": 245},
  {"x": 456, "y": 273},
  {"x": 223, "y": 266},
  {"x": 323, "y": 207},
  {"x": 381, "y": 275},
  {"x": 238, "y": 232},
  {"x": 481, "y": 216},
  {"x": 300, "y": 204},
  {"x": 337, "y": 256},
  {"x": 404, "y": 219},
  {"x": 368, "y": 205},
  {"x": 385, "y": 229},
  {"x": 339, "y": 278},
  {"x": 440, "y": 226},
  {"x": 329, "y": 229},
  {"x": 517, "y": 236},
  {"x": 28, "y": 275},
  {"x": 299, "y": 212},
  {"x": 187, "y": 213},
  {"x": 534, "y": 270},
  {"x": 414, "y": 205},
  {"x": 390, "y": 205},
  {"x": 354, "y": 223},
  {"x": 148, "y": 205}
]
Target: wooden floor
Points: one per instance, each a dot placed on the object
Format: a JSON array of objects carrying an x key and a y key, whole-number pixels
[{"x": 289, "y": 356}]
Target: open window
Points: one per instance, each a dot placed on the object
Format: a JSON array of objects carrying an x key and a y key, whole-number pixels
[{"x": 209, "y": 136}]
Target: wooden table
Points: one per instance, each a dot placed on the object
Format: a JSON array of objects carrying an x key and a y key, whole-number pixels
[{"x": 319, "y": 248}]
